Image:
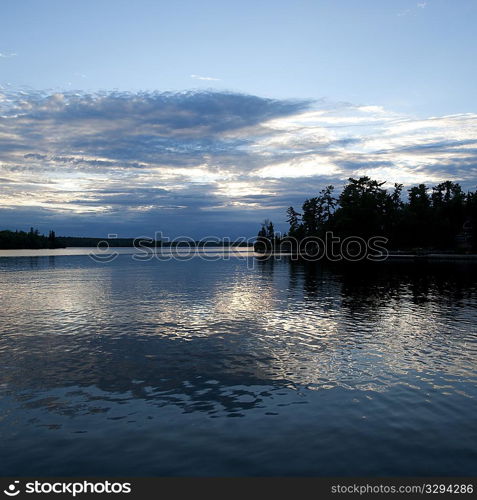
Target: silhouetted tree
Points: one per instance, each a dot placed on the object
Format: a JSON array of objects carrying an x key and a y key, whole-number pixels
[
  {"x": 293, "y": 218},
  {"x": 445, "y": 219},
  {"x": 317, "y": 212},
  {"x": 265, "y": 237},
  {"x": 33, "y": 239},
  {"x": 52, "y": 239},
  {"x": 362, "y": 208}
]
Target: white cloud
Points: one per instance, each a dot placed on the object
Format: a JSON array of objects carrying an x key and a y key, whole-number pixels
[
  {"x": 314, "y": 165},
  {"x": 6, "y": 55},
  {"x": 412, "y": 11},
  {"x": 206, "y": 78}
]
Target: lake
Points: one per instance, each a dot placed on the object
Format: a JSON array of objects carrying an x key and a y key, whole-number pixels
[{"x": 236, "y": 366}]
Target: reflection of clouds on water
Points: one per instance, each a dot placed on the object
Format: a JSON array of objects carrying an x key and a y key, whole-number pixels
[
  {"x": 200, "y": 368},
  {"x": 145, "y": 329}
]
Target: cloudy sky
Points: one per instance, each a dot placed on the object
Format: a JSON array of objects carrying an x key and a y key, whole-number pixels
[{"x": 203, "y": 118}]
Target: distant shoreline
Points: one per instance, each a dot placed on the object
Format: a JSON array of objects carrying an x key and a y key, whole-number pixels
[
  {"x": 20, "y": 240},
  {"x": 394, "y": 256},
  {"x": 433, "y": 256}
]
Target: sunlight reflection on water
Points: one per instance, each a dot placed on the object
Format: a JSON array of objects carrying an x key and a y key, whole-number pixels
[{"x": 137, "y": 367}]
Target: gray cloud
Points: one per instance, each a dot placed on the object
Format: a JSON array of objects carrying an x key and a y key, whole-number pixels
[{"x": 200, "y": 161}]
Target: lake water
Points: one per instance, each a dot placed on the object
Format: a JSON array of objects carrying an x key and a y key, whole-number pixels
[{"x": 236, "y": 366}]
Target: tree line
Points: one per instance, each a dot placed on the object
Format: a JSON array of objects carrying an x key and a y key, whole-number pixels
[
  {"x": 31, "y": 239},
  {"x": 34, "y": 240},
  {"x": 442, "y": 218}
]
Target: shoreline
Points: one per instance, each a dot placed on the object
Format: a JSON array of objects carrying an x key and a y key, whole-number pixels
[
  {"x": 391, "y": 256},
  {"x": 433, "y": 256}
]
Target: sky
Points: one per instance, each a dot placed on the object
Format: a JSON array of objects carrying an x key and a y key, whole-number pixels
[{"x": 203, "y": 118}]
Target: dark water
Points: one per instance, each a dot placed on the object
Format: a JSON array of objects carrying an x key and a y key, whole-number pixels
[{"x": 212, "y": 368}]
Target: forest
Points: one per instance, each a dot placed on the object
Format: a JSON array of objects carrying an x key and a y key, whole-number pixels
[
  {"x": 32, "y": 239},
  {"x": 441, "y": 218}
]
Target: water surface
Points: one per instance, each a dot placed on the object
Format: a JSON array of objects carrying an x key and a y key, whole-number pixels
[{"x": 236, "y": 367}]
